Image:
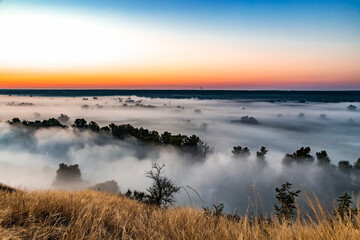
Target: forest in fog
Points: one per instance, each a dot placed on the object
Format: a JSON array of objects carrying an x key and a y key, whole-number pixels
[{"x": 123, "y": 136}]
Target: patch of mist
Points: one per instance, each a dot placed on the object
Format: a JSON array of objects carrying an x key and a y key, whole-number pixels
[{"x": 30, "y": 159}]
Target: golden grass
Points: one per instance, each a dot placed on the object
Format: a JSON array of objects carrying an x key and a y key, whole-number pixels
[{"x": 95, "y": 215}]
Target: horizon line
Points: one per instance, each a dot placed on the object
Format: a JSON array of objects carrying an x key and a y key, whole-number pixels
[{"x": 180, "y": 89}]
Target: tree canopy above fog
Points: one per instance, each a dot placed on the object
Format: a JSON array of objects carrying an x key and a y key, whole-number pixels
[{"x": 192, "y": 145}]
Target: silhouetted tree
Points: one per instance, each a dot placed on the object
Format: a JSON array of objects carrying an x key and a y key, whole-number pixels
[
  {"x": 260, "y": 155},
  {"x": 15, "y": 121},
  {"x": 80, "y": 123},
  {"x": 163, "y": 189},
  {"x": 246, "y": 120},
  {"x": 105, "y": 129},
  {"x": 93, "y": 126},
  {"x": 344, "y": 165},
  {"x": 323, "y": 158},
  {"x": 241, "y": 152},
  {"x": 357, "y": 164},
  {"x": 190, "y": 145},
  {"x": 287, "y": 199},
  {"x": 51, "y": 122},
  {"x": 300, "y": 156},
  {"x": 165, "y": 138},
  {"x": 187, "y": 144}
]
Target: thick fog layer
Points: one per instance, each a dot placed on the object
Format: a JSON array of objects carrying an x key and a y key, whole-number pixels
[{"x": 30, "y": 159}]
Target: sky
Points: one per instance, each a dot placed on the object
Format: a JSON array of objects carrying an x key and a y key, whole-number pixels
[{"x": 153, "y": 44}]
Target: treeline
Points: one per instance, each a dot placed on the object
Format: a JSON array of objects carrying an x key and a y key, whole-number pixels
[
  {"x": 192, "y": 145},
  {"x": 51, "y": 122},
  {"x": 336, "y": 179},
  {"x": 299, "y": 157}
]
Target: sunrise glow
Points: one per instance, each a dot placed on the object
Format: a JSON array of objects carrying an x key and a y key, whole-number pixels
[{"x": 67, "y": 45}]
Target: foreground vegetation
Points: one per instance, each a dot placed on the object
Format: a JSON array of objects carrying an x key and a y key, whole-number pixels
[{"x": 97, "y": 215}]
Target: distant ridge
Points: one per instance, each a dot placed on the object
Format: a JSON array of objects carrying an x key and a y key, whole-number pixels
[{"x": 241, "y": 95}]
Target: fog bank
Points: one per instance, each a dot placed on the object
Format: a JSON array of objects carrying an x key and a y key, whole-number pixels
[{"x": 30, "y": 158}]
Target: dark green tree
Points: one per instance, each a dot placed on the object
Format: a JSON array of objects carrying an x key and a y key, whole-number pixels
[
  {"x": 15, "y": 121},
  {"x": 51, "y": 122},
  {"x": 105, "y": 129},
  {"x": 165, "y": 137},
  {"x": 300, "y": 156},
  {"x": 344, "y": 205},
  {"x": 287, "y": 199},
  {"x": 323, "y": 158},
  {"x": 93, "y": 126},
  {"x": 80, "y": 123},
  {"x": 344, "y": 165},
  {"x": 241, "y": 152}
]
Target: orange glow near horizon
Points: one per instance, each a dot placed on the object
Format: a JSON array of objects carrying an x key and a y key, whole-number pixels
[
  {"x": 86, "y": 51},
  {"x": 166, "y": 80}
]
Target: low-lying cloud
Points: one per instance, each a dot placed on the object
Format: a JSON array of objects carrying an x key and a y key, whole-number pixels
[{"x": 30, "y": 158}]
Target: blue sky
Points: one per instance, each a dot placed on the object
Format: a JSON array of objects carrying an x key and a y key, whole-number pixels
[{"x": 293, "y": 17}]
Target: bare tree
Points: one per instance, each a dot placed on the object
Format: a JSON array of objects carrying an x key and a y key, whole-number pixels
[{"x": 163, "y": 189}]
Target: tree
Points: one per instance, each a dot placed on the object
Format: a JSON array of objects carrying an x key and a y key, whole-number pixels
[
  {"x": 105, "y": 129},
  {"x": 286, "y": 198},
  {"x": 165, "y": 138},
  {"x": 67, "y": 175},
  {"x": 344, "y": 165},
  {"x": 80, "y": 123},
  {"x": 63, "y": 118},
  {"x": 93, "y": 126},
  {"x": 51, "y": 122},
  {"x": 344, "y": 205},
  {"x": 240, "y": 152},
  {"x": 260, "y": 155},
  {"x": 163, "y": 189},
  {"x": 323, "y": 158},
  {"x": 357, "y": 164},
  {"x": 300, "y": 156},
  {"x": 15, "y": 121}
]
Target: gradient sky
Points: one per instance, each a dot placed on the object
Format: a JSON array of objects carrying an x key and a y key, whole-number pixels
[{"x": 180, "y": 44}]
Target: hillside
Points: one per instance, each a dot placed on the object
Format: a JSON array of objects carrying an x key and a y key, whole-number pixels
[{"x": 95, "y": 215}]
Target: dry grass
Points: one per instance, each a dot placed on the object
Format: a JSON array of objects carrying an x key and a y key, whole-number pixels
[{"x": 95, "y": 215}]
